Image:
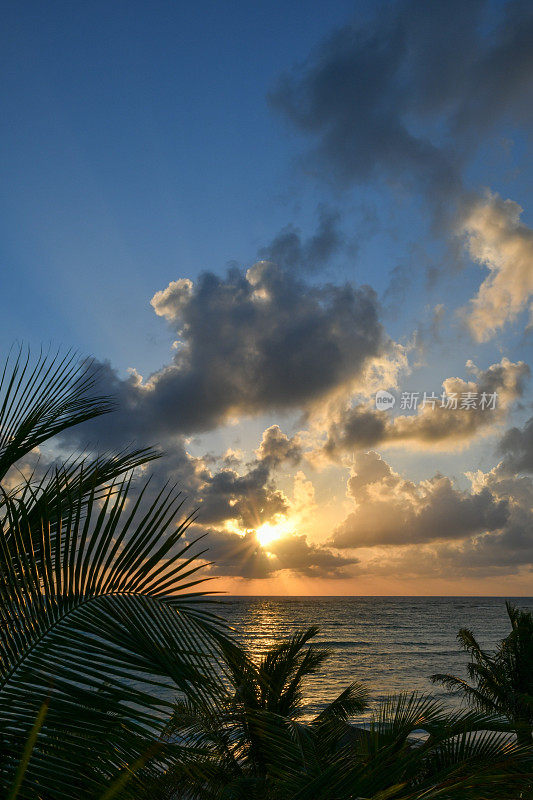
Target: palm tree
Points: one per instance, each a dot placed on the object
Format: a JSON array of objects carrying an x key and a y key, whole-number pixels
[
  {"x": 412, "y": 749},
  {"x": 233, "y": 740},
  {"x": 97, "y": 601},
  {"x": 501, "y": 681},
  {"x": 254, "y": 746}
]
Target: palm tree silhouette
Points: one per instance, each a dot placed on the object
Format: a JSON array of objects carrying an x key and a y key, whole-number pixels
[
  {"x": 263, "y": 699},
  {"x": 501, "y": 681},
  {"x": 97, "y": 591},
  {"x": 252, "y": 745}
]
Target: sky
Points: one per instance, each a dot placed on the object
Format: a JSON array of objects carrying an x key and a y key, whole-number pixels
[{"x": 260, "y": 218}]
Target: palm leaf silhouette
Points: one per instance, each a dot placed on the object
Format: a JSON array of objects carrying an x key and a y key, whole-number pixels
[{"x": 98, "y": 597}]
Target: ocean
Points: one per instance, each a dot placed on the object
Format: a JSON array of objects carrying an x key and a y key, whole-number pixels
[{"x": 391, "y": 644}]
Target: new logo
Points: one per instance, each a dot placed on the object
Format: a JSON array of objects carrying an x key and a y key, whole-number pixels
[{"x": 384, "y": 400}]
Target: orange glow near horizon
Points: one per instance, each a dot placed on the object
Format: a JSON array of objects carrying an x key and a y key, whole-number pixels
[{"x": 286, "y": 584}]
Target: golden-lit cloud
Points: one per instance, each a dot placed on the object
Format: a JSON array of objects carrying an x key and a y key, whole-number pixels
[
  {"x": 498, "y": 239},
  {"x": 172, "y": 301},
  {"x": 434, "y": 530},
  {"x": 435, "y": 424},
  {"x": 276, "y": 447},
  {"x": 391, "y": 510}
]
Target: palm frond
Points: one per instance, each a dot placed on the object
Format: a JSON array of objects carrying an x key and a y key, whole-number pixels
[
  {"x": 288, "y": 747},
  {"x": 284, "y": 668},
  {"x": 43, "y": 397},
  {"x": 352, "y": 700},
  {"x": 99, "y": 623}
]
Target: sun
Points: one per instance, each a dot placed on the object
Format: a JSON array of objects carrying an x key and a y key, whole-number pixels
[{"x": 269, "y": 531}]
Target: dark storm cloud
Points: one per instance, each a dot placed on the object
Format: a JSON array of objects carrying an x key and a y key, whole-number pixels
[
  {"x": 517, "y": 448},
  {"x": 408, "y": 95},
  {"x": 248, "y": 343},
  {"x": 290, "y": 251}
]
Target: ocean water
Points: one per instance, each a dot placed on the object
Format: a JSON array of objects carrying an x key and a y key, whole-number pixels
[{"x": 391, "y": 644}]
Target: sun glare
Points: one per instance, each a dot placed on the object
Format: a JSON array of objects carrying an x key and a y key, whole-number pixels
[{"x": 268, "y": 532}]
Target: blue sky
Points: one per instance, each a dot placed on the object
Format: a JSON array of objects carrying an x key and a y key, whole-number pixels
[
  {"x": 148, "y": 143},
  {"x": 138, "y": 143}
]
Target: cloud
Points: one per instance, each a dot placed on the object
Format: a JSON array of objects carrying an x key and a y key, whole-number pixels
[
  {"x": 234, "y": 554},
  {"x": 234, "y": 506},
  {"x": 485, "y": 528},
  {"x": 31, "y": 467},
  {"x": 345, "y": 99},
  {"x": 358, "y": 426},
  {"x": 276, "y": 447},
  {"x": 289, "y": 251},
  {"x": 355, "y": 428},
  {"x": 247, "y": 343},
  {"x": 223, "y": 489},
  {"x": 517, "y": 448},
  {"x": 297, "y": 554},
  {"x": 242, "y": 556},
  {"x": 232, "y": 457},
  {"x": 432, "y": 529},
  {"x": 497, "y": 239},
  {"x": 236, "y": 498},
  {"x": 172, "y": 301},
  {"x": 244, "y": 495},
  {"x": 391, "y": 510},
  {"x": 429, "y": 330},
  {"x": 406, "y": 95},
  {"x": 507, "y": 550},
  {"x": 250, "y": 499}
]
